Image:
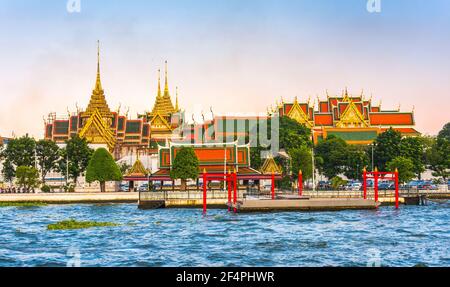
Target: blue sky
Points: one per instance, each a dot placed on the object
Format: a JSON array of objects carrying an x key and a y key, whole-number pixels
[{"x": 237, "y": 56}]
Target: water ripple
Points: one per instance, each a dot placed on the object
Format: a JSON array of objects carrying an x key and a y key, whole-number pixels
[{"x": 411, "y": 236}]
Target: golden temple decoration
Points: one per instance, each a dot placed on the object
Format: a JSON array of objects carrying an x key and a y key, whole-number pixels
[
  {"x": 177, "y": 106},
  {"x": 270, "y": 166},
  {"x": 163, "y": 104},
  {"x": 352, "y": 117},
  {"x": 158, "y": 122},
  {"x": 97, "y": 131},
  {"x": 138, "y": 169},
  {"x": 296, "y": 113},
  {"x": 98, "y": 100}
]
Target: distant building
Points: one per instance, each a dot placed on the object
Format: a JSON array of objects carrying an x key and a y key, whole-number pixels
[{"x": 353, "y": 119}]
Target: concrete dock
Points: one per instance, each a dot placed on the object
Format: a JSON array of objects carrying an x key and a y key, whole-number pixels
[
  {"x": 72, "y": 198},
  {"x": 304, "y": 204}
]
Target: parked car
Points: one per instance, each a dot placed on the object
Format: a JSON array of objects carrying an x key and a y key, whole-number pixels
[
  {"x": 427, "y": 185},
  {"x": 124, "y": 187},
  {"x": 386, "y": 186},
  {"x": 324, "y": 185},
  {"x": 355, "y": 185},
  {"x": 143, "y": 187},
  {"x": 414, "y": 184}
]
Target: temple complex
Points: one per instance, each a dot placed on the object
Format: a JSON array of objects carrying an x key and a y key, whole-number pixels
[
  {"x": 101, "y": 126},
  {"x": 222, "y": 143},
  {"x": 352, "y": 118}
]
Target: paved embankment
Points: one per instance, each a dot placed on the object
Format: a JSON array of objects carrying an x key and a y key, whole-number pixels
[{"x": 69, "y": 198}]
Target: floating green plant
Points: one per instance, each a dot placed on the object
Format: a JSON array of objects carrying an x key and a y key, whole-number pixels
[
  {"x": 22, "y": 204},
  {"x": 74, "y": 224}
]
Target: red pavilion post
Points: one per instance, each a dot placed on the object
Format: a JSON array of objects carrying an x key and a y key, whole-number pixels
[
  {"x": 235, "y": 191},
  {"x": 365, "y": 183},
  {"x": 229, "y": 182},
  {"x": 375, "y": 173},
  {"x": 273, "y": 185},
  {"x": 396, "y": 189},
  {"x": 205, "y": 183},
  {"x": 300, "y": 183}
]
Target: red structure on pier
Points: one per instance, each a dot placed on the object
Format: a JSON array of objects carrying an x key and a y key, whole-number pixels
[{"x": 376, "y": 175}]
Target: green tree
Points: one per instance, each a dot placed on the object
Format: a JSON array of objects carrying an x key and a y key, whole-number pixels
[
  {"x": 102, "y": 168},
  {"x": 438, "y": 156},
  {"x": 337, "y": 182},
  {"x": 124, "y": 168},
  {"x": 332, "y": 154},
  {"x": 301, "y": 159},
  {"x": 47, "y": 155},
  {"x": 405, "y": 168},
  {"x": 445, "y": 132},
  {"x": 8, "y": 171},
  {"x": 356, "y": 159},
  {"x": 293, "y": 134},
  {"x": 27, "y": 177},
  {"x": 386, "y": 148},
  {"x": 20, "y": 152},
  {"x": 413, "y": 148},
  {"x": 185, "y": 166},
  {"x": 256, "y": 160},
  {"x": 78, "y": 153}
]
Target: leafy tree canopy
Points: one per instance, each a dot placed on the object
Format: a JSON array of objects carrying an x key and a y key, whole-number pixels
[
  {"x": 386, "y": 148},
  {"x": 413, "y": 148},
  {"x": 185, "y": 165},
  {"x": 405, "y": 168},
  {"x": 20, "y": 151},
  {"x": 356, "y": 159},
  {"x": 333, "y": 156},
  {"x": 27, "y": 177},
  {"x": 78, "y": 153},
  {"x": 301, "y": 159},
  {"x": 47, "y": 154},
  {"x": 102, "y": 168}
]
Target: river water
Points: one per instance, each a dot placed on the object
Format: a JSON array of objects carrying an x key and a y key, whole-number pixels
[{"x": 411, "y": 236}]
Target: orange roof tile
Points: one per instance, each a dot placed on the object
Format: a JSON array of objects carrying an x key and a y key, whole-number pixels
[{"x": 391, "y": 119}]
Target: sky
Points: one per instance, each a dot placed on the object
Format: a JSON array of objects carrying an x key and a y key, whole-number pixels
[{"x": 236, "y": 56}]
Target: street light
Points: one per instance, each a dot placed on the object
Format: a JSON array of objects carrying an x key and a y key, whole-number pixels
[{"x": 313, "y": 163}]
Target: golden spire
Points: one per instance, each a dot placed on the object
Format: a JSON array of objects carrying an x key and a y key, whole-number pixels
[
  {"x": 163, "y": 104},
  {"x": 177, "y": 107},
  {"x": 159, "y": 83},
  {"x": 98, "y": 101},
  {"x": 98, "y": 83},
  {"x": 166, "y": 85}
]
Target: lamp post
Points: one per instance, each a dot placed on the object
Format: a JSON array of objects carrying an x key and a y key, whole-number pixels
[
  {"x": 372, "y": 145},
  {"x": 313, "y": 164}
]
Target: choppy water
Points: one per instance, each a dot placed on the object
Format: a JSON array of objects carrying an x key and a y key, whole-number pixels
[{"x": 411, "y": 236}]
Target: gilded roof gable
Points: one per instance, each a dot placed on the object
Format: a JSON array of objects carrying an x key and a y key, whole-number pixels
[{"x": 98, "y": 100}]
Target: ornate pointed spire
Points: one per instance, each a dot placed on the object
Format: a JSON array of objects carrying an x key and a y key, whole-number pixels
[
  {"x": 98, "y": 100},
  {"x": 98, "y": 82},
  {"x": 166, "y": 82},
  {"x": 177, "y": 107},
  {"x": 159, "y": 84}
]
